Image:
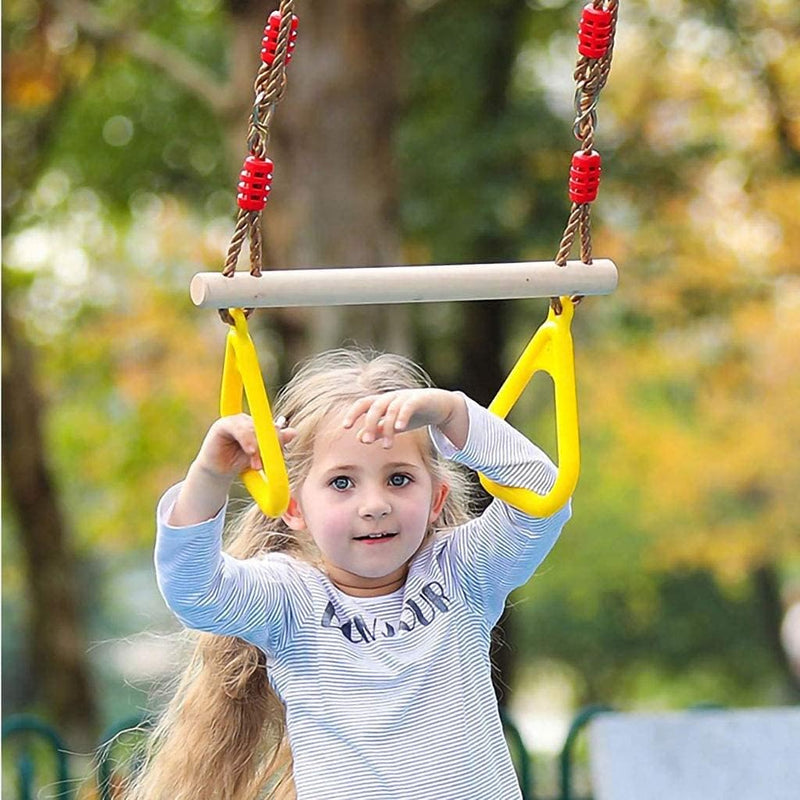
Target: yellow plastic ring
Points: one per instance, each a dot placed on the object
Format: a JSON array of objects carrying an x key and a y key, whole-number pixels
[
  {"x": 550, "y": 350},
  {"x": 241, "y": 377}
]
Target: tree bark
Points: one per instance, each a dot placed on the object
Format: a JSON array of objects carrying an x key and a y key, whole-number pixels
[
  {"x": 484, "y": 325},
  {"x": 334, "y": 198},
  {"x": 58, "y": 645}
]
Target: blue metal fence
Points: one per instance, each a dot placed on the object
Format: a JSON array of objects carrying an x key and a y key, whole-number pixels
[
  {"x": 27, "y": 728},
  {"x": 22, "y": 734}
]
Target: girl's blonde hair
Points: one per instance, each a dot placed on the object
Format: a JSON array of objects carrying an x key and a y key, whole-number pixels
[{"x": 223, "y": 735}]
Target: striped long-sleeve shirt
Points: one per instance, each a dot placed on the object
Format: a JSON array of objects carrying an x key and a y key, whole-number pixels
[{"x": 387, "y": 698}]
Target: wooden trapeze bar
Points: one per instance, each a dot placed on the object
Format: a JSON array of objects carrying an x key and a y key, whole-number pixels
[{"x": 402, "y": 284}]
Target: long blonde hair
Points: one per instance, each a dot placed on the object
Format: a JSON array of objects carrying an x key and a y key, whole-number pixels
[{"x": 223, "y": 735}]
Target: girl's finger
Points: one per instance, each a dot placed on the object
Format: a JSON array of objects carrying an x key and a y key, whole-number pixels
[
  {"x": 389, "y": 421},
  {"x": 371, "y": 426},
  {"x": 286, "y": 435},
  {"x": 244, "y": 433},
  {"x": 405, "y": 415},
  {"x": 376, "y": 411},
  {"x": 357, "y": 409}
]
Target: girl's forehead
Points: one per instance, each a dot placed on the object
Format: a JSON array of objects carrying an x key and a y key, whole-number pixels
[{"x": 331, "y": 435}]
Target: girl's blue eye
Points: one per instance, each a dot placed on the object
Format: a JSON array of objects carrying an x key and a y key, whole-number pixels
[
  {"x": 398, "y": 479},
  {"x": 341, "y": 482}
]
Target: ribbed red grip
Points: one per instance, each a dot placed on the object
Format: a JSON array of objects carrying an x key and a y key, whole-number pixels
[
  {"x": 584, "y": 176},
  {"x": 255, "y": 183},
  {"x": 594, "y": 32},
  {"x": 270, "y": 41}
]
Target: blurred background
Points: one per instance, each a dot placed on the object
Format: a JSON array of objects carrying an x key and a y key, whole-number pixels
[{"x": 416, "y": 131}]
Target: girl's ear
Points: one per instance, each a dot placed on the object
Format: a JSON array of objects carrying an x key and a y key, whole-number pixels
[
  {"x": 439, "y": 496},
  {"x": 293, "y": 516}
]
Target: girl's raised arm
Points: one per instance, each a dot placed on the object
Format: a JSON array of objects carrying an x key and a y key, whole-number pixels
[
  {"x": 229, "y": 448},
  {"x": 499, "y": 550}
]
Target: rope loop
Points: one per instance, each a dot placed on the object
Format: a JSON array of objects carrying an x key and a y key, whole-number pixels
[
  {"x": 260, "y": 120},
  {"x": 225, "y": 315}
]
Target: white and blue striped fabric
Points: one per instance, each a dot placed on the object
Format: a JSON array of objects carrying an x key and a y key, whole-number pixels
[{"x": 387, "y": 698}]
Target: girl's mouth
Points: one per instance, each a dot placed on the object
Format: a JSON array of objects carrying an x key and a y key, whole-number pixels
[{"x": 372, "y": 538}]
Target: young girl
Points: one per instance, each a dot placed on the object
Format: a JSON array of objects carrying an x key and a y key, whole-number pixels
[{"x": 347, "y": 645}]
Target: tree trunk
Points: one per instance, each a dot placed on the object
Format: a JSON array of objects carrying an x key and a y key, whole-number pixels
[
  {"x": 334, "y": 202},
  {"x": 484, "y": 325},
  {"x": 58, "y": 647}
]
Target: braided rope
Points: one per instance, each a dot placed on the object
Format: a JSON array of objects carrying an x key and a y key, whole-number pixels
[
  {"x": 269, "y": 88},
  {"x": 590, "y": 77},
  {"x": 569, "y": 235},
  {"x": 255, "y": 245},
  {"x": 235, "y": 247}
]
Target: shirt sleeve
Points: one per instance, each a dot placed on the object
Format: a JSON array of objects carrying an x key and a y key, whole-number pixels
[
  {"x": 500, "y": 550},
  {"x": 259, "y": 599}
]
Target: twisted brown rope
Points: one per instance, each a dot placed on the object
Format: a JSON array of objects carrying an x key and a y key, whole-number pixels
[
  {"x": 590, "y": 77},
  {"x": 269, "y": 88}
]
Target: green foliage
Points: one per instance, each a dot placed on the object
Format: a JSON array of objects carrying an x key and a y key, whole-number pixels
[
  {"x": 130, "y": 131},
  {"x": 80, "y": 105}
]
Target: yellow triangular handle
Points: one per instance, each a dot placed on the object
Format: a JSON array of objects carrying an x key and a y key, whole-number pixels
[
  {"x": 550, "y": 350},
  {"x": 241, "y": 375}
]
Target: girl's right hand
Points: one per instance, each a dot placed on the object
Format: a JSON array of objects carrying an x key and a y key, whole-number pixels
[{"x": 230, "y": 446}]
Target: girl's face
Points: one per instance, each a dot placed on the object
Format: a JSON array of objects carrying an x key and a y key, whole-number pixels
[{"x": 367, "y": 507}]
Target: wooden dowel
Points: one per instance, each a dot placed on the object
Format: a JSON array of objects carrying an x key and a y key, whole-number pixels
[{"x": 414, "y": 284}]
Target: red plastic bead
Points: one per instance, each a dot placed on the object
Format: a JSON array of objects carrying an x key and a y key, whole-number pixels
[
  {"x": 255, "y": 183},
  {"x": 584, "y": 177},
  {"x": 270, "y": 41},
  {"x": 594, "y": 32}
]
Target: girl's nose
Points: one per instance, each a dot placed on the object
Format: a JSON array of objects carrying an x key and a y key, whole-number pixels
[{"x": 374, "y": 506}]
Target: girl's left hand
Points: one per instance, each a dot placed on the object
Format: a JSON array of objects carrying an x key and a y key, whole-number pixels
[{"x": 384, "y": 415}]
